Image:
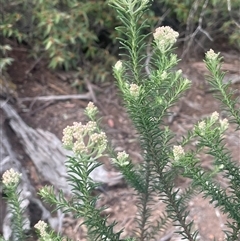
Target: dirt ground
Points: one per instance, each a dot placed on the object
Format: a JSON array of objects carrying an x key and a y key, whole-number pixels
[{"x": 33, "y": 79}]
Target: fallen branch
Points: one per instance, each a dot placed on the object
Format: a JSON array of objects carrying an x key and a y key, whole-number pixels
[{"x": 86, "y": 96}]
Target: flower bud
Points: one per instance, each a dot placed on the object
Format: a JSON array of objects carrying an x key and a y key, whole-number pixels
[
  {"x": 214, "y": 117},
  {"x": 178, "y": 152},
  {"x": 41, "y": 226},
  {"x": 11, "y": 177},
  {"x": 224, "y": 124},
  {"x": 211, "y": 55},
  {"x": 134, "y": 90},
  {"x": 122, "y": 158},
  {"x": 91, "y": 110},
  {"x": 118, "y": 66},
  {"x": 165, "y": 37}
]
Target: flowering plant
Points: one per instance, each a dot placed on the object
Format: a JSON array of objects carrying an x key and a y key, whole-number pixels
[
  {"x": 10, "y": 180},
  {"x": 148, "y": 95}
]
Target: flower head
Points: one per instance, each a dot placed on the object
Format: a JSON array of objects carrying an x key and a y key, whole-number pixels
[
  {"x": 224, "y": 124},
  {"x": 79, "y": 147},
  {"x": 81, "y": 138},
  {"x": 202, "y": 125},
  {"x": 200, "y": 128},
  {"x": 118, "y": 66},
  {"x": 211, "y": 55},
  {"x": 41, "y": 226},
  {"x": 11, "y": 177},
  {"x": 91, "y": 110},
  {"x": 214, "y": 117},
  {"x": 134, "y": 90},
  {"x": 178, "y": 152},
  {"x": 91, "y": 126},
  {"x": 164, "y": 75},
  {"x": 165, "y": 37},
  {"x": 100, "y": 140},
  {"x": 78, "y": 130},
  {"x": 122, "y": 159},
  {"x": 67, "y": 139}
]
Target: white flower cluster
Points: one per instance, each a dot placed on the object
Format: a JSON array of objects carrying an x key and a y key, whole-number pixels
[
  {"x": 118, "y": 66},
  {"x": 122, "y": 159},
  {"x": 67, "y": 139},
  {"x": 74, "y": 133},
  {"x": 211, "y": 55},
  {"x": 224, "y": 124},
  {"x": 99, "y": 139},
  {"x": 91, "y": 110},
  {"x": 11, "y": 177},
  {"x": 178, "y": 152},
  {"x": 134, "y": 90},
  {"x": 164, "y": 75},
  {"x": 203, "y": 126},
  {"x": 79, "y": 146},
  {"x": 41, "y": 226},
  {"x": 165, "y": 37},
  {"x": 214, "y": 117},
  {"x": 74, "y": 137}
]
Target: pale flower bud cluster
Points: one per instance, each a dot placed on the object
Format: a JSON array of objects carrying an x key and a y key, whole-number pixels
[
  {"x": 178, "y": 152},
  {"x": 202, "y": 126},
  {"x": 164, "y": 75},
  {"x": 205, "y": 126},
  {"x": 99, "y": 139},
  {"x": 11, "y": 177},
  {"x": 41, "y": 226},
  {"x": 122, "y": 159},
  {"x": 134, "y": 90},
  {"x": 79, "y": 146},
  {"x": 224, "y": 124},
  {"x": 72, "y": 133},
  {"x": 165, "y": 37},
  {"x": 91, "y": 126},
  {"x": 118, "y": 66},
  {"x": 78, "y": 129},
  {"x": 214, "y": 117},
  {"x": 67, "y": 139},
  {"x": 74, "y": 137},
  {"x": 91, "y": 110},
  {"x": 211, "y": 55}
]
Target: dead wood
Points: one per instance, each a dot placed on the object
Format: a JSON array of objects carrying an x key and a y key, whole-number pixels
[
  {"x": 86, "y": 96},
  {"x": 48, "y": 156}
]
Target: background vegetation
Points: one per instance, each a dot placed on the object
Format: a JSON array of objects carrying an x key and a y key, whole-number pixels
[{"x": 79, "y": 34}]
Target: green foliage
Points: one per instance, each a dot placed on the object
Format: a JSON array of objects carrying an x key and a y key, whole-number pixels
[
  {"x": 68, "y": 33},
  {"x": 150, "y": 85},
  {"x": 224, "y": 94},
  {"x": 66, "y": 30}
]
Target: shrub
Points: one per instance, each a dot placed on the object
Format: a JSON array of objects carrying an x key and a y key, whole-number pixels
[
  {"x": 148, "y": 95},
  {"x": 67, "y": 30},
  {"x": 69, "y": 33}
]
